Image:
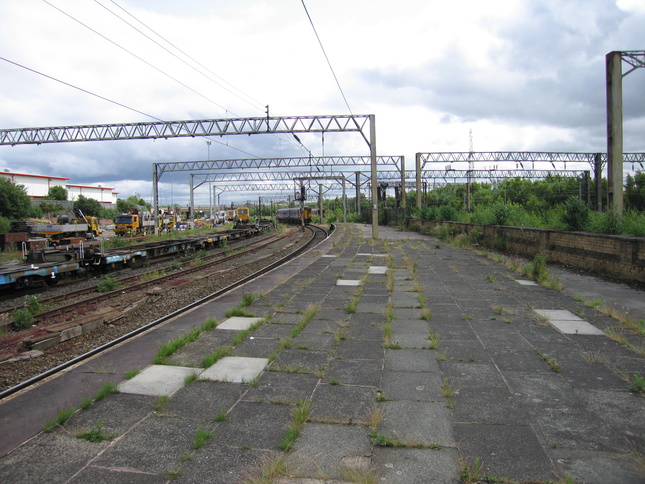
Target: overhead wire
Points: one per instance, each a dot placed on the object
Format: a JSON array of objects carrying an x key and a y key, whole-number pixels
[
  {"x": 326, "y": 57},
  {"x": 134, "y": 55},
  {"x": 242, "y": 95},
  {"x": 109, "y": 100},
  {"x": 157, "y": 69}
]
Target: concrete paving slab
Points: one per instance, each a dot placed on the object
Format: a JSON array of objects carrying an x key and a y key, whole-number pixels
[
  {"x": 116, "y": 476},
  {"x": 342, "y": 404},
  {"x": 34, "y": 462},
  {"x": 118, "y": 413},
  {"x": 354, "y": 372},
  {"x": 158, "y": 380},
  {"x": 524, "y": 282},
  {"x": 512, "y": 451},
  {"x": 473, "y": 374},
  {"x": 153, "y": 446},
  {"x": 572, "y": 427},
  {"x": 426, "y": 423},
  {"x": 192, "y": 354},
  {"x": 415, "y": 466},
  {"x": 348, "y": 282},
  {"x": 377, "y": 270},
  {"x": 487, "y": 405},
  {"x": 222, "y": 464},
  {"x": 412, "y": 385},
  {"x": 204, "y": 400},
  {"x": 235, "y": 369},
  {"x": 405, "y": 299},
  {"x": 308, "y": 361},
  {"x": 576, "y": 327},
  {"x": 559, "y": 314},
  {"x": 239, "y": 323},
  {"x": 411, "y": 360},
  {"x": 282, "y": 387},
  {"x": 322, "y": 450},
  {"x": 598, "y": 467},
  {"x": 253, "y": 347},
  {"x": 360, "y": 350},
  {"x": 364, "y": 331},
  {"x": 313, "y": 340},
  {"x": 254, "y": 425}
]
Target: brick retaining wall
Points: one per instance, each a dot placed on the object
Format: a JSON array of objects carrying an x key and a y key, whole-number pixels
[{"x": 615, "y": 255}]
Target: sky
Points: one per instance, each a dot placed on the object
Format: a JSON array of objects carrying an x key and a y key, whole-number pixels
[{"x": 497, "y": 75}]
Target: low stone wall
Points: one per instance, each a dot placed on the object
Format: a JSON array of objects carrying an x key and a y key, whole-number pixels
[{"x": 614, "y": 255}]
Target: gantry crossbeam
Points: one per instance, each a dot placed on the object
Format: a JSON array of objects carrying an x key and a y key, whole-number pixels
[
  {"x": 187, "y": 129},
  {"x": 356, "y": 163}
]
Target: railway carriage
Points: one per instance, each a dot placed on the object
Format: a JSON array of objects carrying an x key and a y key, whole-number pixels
[{"x": 293, "y": 215}]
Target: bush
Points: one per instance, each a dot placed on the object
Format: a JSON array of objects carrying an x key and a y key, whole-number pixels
[
  {"x": 107, "y": 284},
  {"x": 446, "y": 213},
  {"x": 5, "y": 225},
  {"x": 575, "y": 214},
  {"x": 22, "y": 318},
  {"x": 501, "y": 213}
]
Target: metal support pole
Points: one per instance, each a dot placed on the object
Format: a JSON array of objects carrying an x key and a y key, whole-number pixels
[
  {"x": 320, "y": 202},
  {"x": 418, "y": 170},
  {"x": 374, "y": 177},
  {"x": 615, "y": 130},
  {"x": 403, "y": 200},
  {"x": 191, "y": 219},
  {"x": 155, "y": 197},
  {"x": 598, "y": 179},
  {"x": 358, "y": 192},
  {"x": 344, "y": 202}
]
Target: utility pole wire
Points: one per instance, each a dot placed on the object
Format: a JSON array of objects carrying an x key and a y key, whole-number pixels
[{"x": 327, "y": 58}]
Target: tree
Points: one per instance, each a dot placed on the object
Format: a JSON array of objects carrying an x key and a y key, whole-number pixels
[
  {"x": 88, "y": 206},
  {"x": 131, "y": 202},
  {"x": 57, "y": 193},
  {"x": 14, "y": 202}
]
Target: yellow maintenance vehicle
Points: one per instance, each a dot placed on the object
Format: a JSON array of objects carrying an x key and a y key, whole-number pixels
[
  {"x": 135, "y": 223},
  {"x": 69, "y": 226}
]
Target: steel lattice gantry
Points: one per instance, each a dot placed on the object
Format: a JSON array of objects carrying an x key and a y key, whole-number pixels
[
  {"x": 446, "y": 159},
  {"x": 190, "y": 129},
  {"x": 253, "y": 169},
  {"x": 362, "y": 124}
]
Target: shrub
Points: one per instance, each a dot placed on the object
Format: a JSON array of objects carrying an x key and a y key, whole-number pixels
[
  {"x": 107, "y": 284},
  {"x": 22, "y": 318},
  {"x": 575, "y": 214},
  {"x": 501, "y": 213},
  {"x": 446, "y": 213}
]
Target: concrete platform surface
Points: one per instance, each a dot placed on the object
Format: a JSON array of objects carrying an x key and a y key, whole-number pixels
[{"x": 399, "y": 360}]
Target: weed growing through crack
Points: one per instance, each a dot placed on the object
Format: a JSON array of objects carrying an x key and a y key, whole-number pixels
[
  {"x": 352, "y": 305},
  {"x": 209, "y": 324},
  {"x": 167, "y": 349},
  {"x": 555, "y": 366},
  {"x": 221, "y": 416},
  {"x": 108, "y": 389},
  {"x": 426, "y": 314},
  {"x": 201, "y": 437},
  {"x": 60, "y": 419},
  {"x": 298, "y": 419},
  {"x": 190, "y": 378},
  {"x": 129, "y": 374},
  {"x": 434, "y": 340},
  {"x": 470, "y": 472},
  {"x": 95, "y": 434},
  {"x": 448, "y": 390},
  {"x": 638, "y": 383}
]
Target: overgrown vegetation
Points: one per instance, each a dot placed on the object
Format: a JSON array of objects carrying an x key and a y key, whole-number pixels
[{"x": 552, "y": 203}]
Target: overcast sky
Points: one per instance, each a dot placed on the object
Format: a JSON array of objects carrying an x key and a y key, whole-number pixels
[{"x": 523, "y": 75}]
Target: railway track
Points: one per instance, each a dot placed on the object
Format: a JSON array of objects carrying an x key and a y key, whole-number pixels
[
  {"x": 18, "y": 375},
  {"x": 140, "y": 280}
]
